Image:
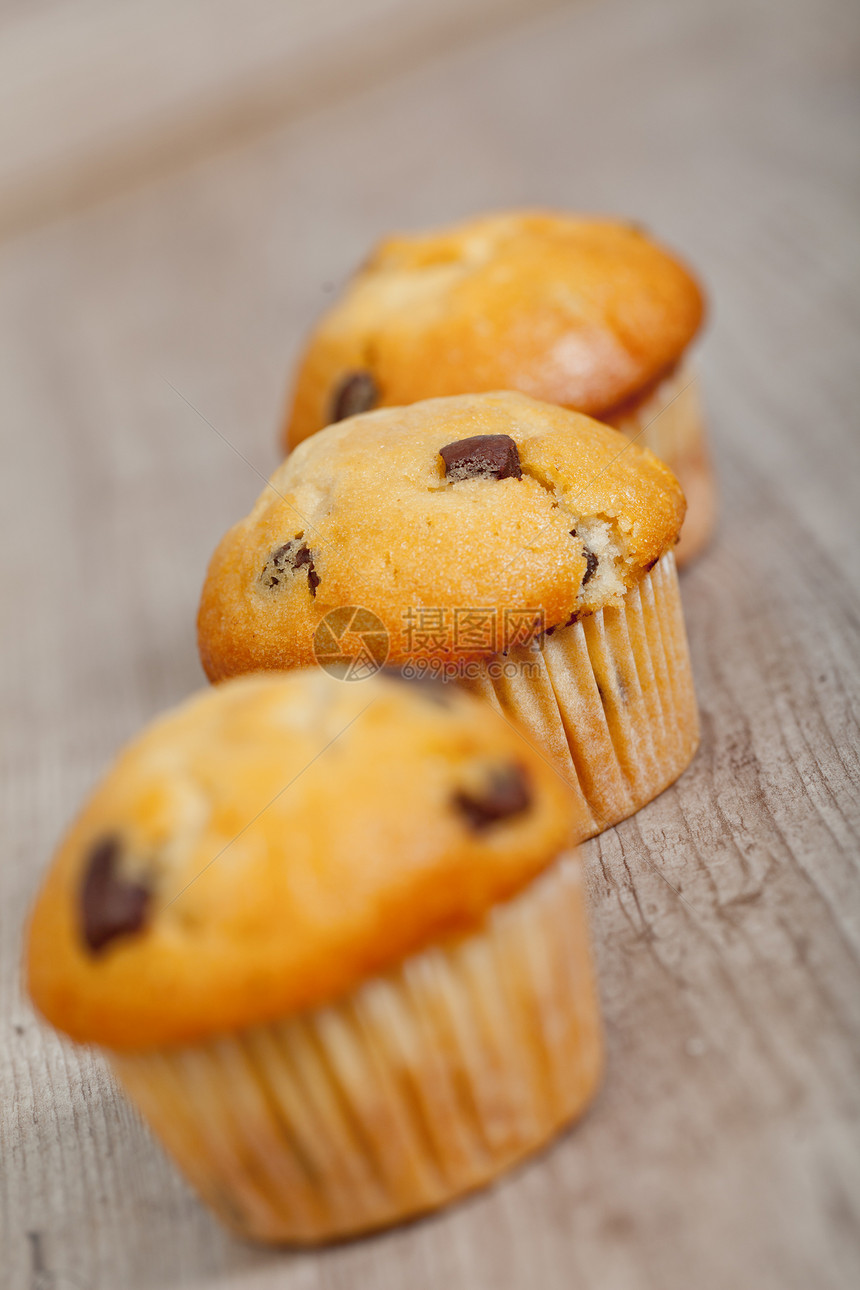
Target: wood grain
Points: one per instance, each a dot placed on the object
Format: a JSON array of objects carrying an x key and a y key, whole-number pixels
[
  {"x": 96, "y": 96},
  {"x": 725, "y": 1147}
]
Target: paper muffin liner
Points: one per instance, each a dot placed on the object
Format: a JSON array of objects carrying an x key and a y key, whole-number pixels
[
  {"x": 670, "y": 421},
  {"x": 420, "y": 1085},
  {"x": 610, "y": 699}
]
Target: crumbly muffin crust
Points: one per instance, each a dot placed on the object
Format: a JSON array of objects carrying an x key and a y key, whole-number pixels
[
  {"x": 584, "y": 312},
  {"x": 276, "y": 841},
  {"x": 491, "y": 501}
]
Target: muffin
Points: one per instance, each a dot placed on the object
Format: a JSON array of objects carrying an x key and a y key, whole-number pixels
[
  {"x": 585, "y": 312},
  {"x": 333, "y": 939},
  {"x": 517, "y": 547}
]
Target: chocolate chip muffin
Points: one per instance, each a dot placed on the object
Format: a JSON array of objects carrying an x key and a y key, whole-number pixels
[
  {"x": 589, "y": 313},
  {"x": 334, "y": 942},
  {"x": 515, "y": 546}
]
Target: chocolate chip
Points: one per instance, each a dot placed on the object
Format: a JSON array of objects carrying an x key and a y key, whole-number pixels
[
  {"x": 111, "y": 905},
  {"x": 429, "y": 687},
  {"x": 291, "y": 556},
  {"x": 507, "y": 793},
  {"x": 574, "y": 617},
  {"x": 591, "y": 561},
  {"x": 357, "y": 392},
  {"x": 483, "y": 456}
]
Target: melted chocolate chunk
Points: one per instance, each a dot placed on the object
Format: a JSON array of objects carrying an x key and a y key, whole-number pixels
[
  {"x": 507, "y": 793},
  {"x": 591, "y": 561},
  {"x": 357, "y": 392},
  {"x": 432, "y": 688},
  {"x": 303, "y": 557},
  {"x": 111, "y": 905},
  {"x": 291, "y": 556},
  {"x": 483, "y": 456}
]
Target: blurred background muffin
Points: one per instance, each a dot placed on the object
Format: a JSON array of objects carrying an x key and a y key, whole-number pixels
[
  {"x": 342, "y": 1004},
  {"x": 587, "y": 312}
]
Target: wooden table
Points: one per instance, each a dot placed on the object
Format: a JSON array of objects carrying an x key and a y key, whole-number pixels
[{"x": 144, "y": 350}]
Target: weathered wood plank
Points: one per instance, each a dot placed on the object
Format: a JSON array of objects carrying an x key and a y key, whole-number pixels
[
  {"x": 725, "y": 1148},
  {"x": 96, "y": 96}
]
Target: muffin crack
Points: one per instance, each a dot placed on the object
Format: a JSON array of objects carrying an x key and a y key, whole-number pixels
[
  {"x": 602, "y": 545},
  {"x": 547, "y": 485}
]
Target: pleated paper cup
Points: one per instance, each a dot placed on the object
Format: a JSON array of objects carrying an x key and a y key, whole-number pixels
[
  {"x": 609, "y": 699},
  {"x": 420, "y": 1085}
]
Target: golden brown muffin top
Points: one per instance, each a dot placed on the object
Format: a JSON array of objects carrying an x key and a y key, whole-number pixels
[
  {"x": 551, "y": 516},
  {"x": 275, "y": 841},
  {"x": 585, "y": 312}
]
